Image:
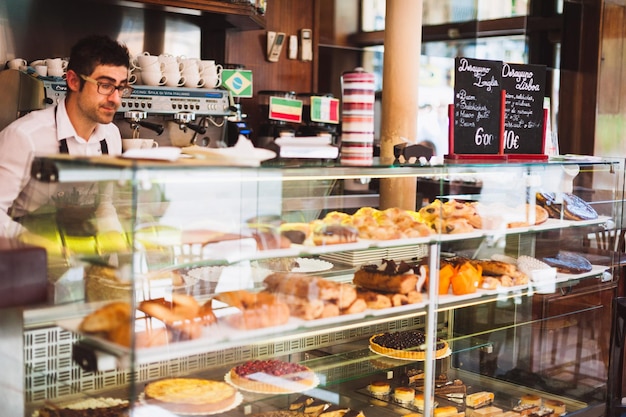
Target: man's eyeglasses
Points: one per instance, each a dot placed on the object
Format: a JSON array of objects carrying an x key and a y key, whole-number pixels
[{"x": 107, "y": 88}]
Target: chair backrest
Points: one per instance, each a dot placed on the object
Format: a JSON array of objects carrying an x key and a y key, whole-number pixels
[{"x": 610, "y": 240}]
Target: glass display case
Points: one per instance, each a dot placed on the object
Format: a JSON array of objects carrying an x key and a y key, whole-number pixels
[{"x": 250, "y": 283}]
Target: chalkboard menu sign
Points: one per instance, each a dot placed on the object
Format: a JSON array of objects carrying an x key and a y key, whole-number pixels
[
  {"x": 478, "y": 107},
  {"x": 524, "y": 115}
]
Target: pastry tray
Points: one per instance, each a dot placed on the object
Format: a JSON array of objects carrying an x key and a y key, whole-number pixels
[{"x": 221, "y": 334}]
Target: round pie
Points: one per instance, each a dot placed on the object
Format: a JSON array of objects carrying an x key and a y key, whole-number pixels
[
  {"x": 190, "y": 395},
  {"x": 272, "y": 376},
  {"x": 409, "y": 344}
]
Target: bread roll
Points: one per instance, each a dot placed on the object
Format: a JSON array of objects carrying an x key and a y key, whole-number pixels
[
  {"x": 310, "y": 288},
  {"x": 374, "y": 300},
  {"x": 398, "y": 299},
  {"x": 265, "y": 315},
  {"x": 122, "y": 334},
  {"x": 107, "y": 318},
  {"x": 330, "y": 310},
  {"x": 301, "y": 307},
  {"x": 358, "y": 306}
]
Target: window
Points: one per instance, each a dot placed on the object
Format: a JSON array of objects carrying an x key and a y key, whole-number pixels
[{"x": 490, "y": 29}]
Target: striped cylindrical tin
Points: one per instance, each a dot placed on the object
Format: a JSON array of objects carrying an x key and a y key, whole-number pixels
[{"x": 357, "y": 117}]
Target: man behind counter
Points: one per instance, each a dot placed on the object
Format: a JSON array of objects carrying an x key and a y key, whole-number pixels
[{"x": 97, "y": 79}]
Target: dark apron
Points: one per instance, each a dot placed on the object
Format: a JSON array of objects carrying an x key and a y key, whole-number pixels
[{"x": 73, "y": 208}]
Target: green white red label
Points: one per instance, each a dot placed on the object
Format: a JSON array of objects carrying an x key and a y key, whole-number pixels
[
  {"x": 285, "y": 109},
  {"x": 324, "y": 109}
]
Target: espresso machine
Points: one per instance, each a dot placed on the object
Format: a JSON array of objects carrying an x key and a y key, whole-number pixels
[
  {"x": 312, "y": 126},
  {"x": 237, "y": 123},
  {"x": 21, "y": 93},
  {"x": 190, "y": 116},
  {"x": 274, "y": 126}
]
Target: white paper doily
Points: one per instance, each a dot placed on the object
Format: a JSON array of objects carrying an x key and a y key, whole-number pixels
[{"x": 311, "y": 265}]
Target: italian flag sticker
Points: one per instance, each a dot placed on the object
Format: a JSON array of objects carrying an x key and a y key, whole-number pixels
[
  {"x": 324, "y": 109},
  {"x": 285, "y": 109}
]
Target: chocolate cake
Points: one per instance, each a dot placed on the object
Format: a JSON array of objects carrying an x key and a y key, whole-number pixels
[{"x": 569, "y": 262}]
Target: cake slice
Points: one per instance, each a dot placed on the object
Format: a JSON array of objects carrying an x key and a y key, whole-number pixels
[{"x": 479, "y": 399}]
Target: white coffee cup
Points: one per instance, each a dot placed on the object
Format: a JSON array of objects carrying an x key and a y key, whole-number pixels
[
  {"x": 154, "y": 66},
  {"x": 132, "y": 78},
  {"x": 38, "y": 62},
  {"x": 138, "y": 144},
  {"x": 190, "y": 64},
  {"x": 41, "y": 70},
  {"x": 16, "y": 63},
  {"x": 174, "y": 79},
  {"x": 56, "y": 63},
  {"x": 145, "y": 61},
  {"x": 56, "y": 72},
  {"x": 193, "y": 80},
  {"x": 212, "y": 81},
  {"x": 135, "y": 73},
  {"x": 153, "y": 78},
  {"x": 212, "y": 73},
  {"x": 169, "y": 67},
  {"x": 209, "y": 65},
  {"x": 167, "y": 58}
]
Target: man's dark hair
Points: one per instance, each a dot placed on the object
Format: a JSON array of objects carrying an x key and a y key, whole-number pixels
[{"x": 96, "y": 50}]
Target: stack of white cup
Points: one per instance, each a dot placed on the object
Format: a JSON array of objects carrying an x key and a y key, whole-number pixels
[
  {"x": 191, "y": 72},
  {"x": 50, "y": 67},
  {"x": 17, "y": 64},
  {"x": 174, "y": 71},
  {"x": 147, "y": 69},
  {"x": 211, "y": 72},
  {"x": 56, "y": 67}
]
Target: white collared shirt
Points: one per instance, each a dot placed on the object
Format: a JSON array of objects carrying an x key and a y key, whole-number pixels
[{"x": 39, "y": 133}]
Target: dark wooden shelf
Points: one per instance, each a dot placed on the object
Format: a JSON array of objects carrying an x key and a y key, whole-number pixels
[
  {"x": 243, "y": 16},
  {"x": 471, "y": 29}
]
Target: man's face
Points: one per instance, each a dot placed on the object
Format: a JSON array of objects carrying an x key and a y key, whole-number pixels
[{"x": 100, "y": 107}]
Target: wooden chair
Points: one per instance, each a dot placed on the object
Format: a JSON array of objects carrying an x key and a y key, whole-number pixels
[
  {"x": 613, "y": 240},
  {"x": 615, "y": 400}
]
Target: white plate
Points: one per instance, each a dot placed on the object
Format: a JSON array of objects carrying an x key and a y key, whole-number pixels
[
  {"x": 238, "y": 400},
  {"x": 401, "y": 242},
  {"x": 311, "y": 265},
  {"x": 397, "y": 309},
  {"x": 236, "y": 156},
  {"x": 333, "y": 320},
  {"x": 297, "y": 387},
  {"x": 162, "y": 153},
  {"x": 317, "y": 250}
]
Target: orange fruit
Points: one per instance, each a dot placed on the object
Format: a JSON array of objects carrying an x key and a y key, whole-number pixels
[
  {"x": 445, "y": 278},
  {"x": 467, "y": 279}
]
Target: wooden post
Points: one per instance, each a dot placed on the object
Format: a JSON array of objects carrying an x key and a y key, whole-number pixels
[{"x": 403, "y": 40}]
